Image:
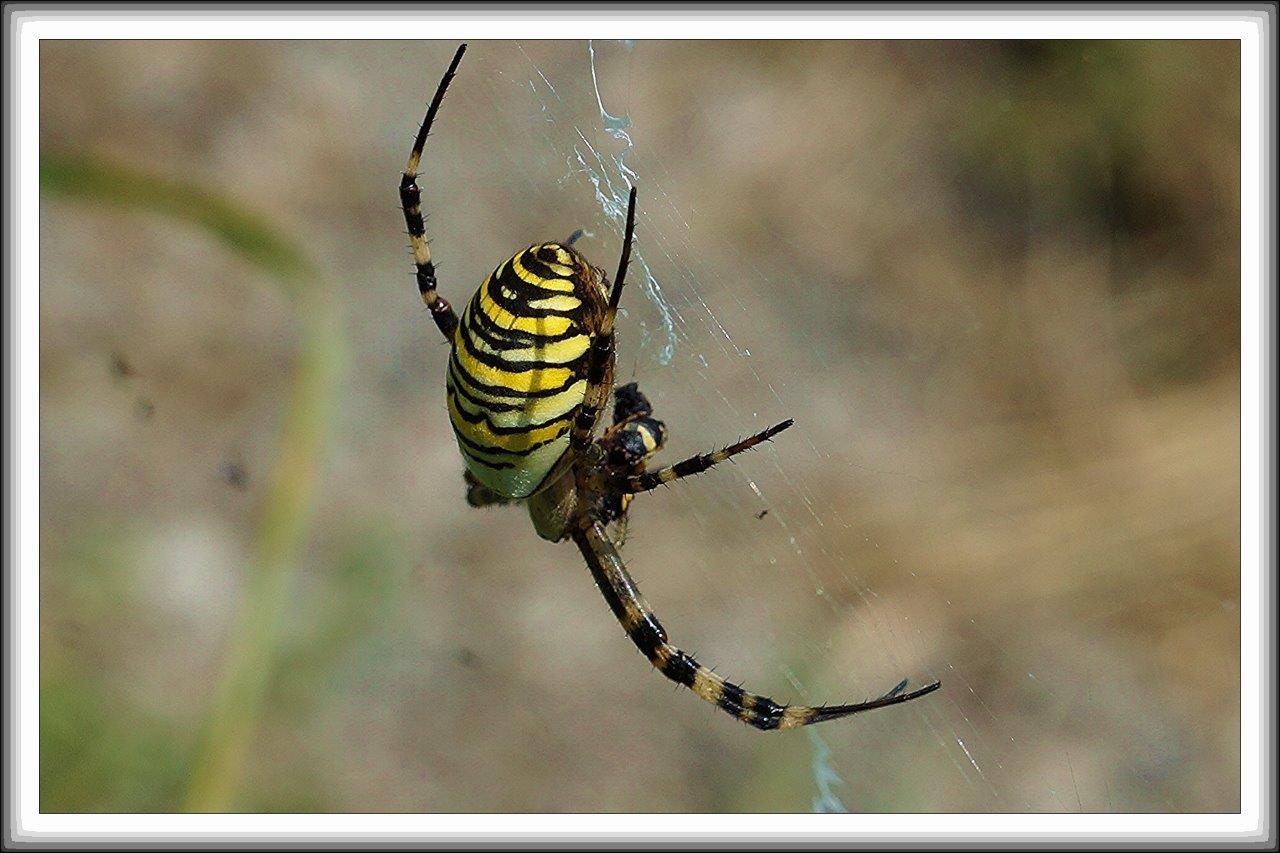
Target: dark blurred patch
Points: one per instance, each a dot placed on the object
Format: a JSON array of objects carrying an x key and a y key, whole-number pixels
[
  {"x": 122, "y": 369},
  {"x": 1027, "y": 53},
  {"x": 120, "y": 366},
  {"x": 234, "y": 474}
]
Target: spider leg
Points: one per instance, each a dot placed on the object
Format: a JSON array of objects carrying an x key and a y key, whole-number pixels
[
  {"x": 600, "y": 356},
  {"x": 411, "y": 201},
  {"x": 614, "y": 510},
  {"x": 646, "y": 632},
  {"x": 648, "y": 480}
]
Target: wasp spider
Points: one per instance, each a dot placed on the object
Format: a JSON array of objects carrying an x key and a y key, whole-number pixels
[{"x": 530, "y": 371}]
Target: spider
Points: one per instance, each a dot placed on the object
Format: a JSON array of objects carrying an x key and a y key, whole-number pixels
[{"x": 529, "y": 375}]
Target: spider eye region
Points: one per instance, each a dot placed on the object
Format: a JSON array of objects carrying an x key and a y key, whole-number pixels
[
  {"x": 630, "y": 447},
  {"x": 637, "y": 441}
]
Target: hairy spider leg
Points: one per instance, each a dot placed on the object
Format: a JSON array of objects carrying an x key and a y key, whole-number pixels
[
  {"x": 600, "y": 357},
  {"x": 649, "y": 480},
  {"x": 411, "y": 201},
  {"x": 646, "y": 632}
]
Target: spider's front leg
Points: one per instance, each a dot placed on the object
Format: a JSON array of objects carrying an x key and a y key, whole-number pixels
[
  {"x": 645, "y": 481},
  {"x": 411, "y": 202},
  {"x": 600, "y": 356}
]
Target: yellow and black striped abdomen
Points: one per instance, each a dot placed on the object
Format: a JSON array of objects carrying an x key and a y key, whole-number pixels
[{"x": 517, "y": 375}]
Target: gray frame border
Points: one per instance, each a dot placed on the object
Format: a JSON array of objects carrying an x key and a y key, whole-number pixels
[{"x": 1264, "y": 14}]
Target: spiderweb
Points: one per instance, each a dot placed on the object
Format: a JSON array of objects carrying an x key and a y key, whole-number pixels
[{"x": 687, "y": 325}]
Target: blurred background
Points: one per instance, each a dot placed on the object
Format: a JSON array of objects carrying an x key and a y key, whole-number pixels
[{"x": 996, "y": 284}]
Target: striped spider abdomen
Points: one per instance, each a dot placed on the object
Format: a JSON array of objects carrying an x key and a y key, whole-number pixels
[{"x": 517, "y": 375}]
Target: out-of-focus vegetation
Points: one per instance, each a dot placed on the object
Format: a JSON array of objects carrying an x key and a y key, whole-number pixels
[
  {"x": 997, "y": 283},
  {"x": 213, "y": 770}
]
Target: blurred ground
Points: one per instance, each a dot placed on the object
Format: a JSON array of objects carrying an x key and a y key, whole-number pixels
[{"x": 997, "y": 284}]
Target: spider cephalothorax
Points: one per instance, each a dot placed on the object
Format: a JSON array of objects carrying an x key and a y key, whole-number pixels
[{"x": 530, "y": 373}]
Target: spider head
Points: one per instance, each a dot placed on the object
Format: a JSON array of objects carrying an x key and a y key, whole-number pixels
[{"x": 635, "y": 442}]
